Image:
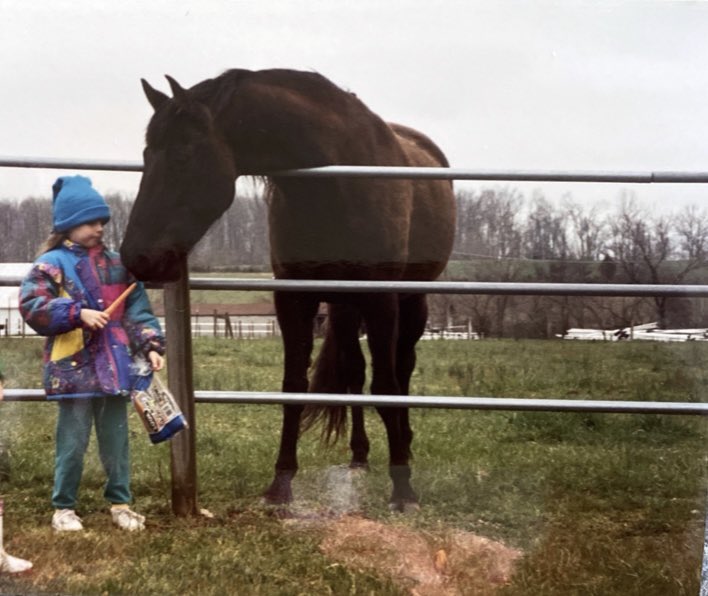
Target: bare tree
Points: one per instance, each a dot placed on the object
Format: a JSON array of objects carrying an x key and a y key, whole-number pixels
[
  {"x": 691, "y": 226},
  {"x": 7, "y": 223},
  {"x": 488, "y": 235},
  {"x": 120, "y": 212},
  {"x": 659, "y": 249},
  {"x": 545, "y": 234},
  {"x": 587, "y": 231}
]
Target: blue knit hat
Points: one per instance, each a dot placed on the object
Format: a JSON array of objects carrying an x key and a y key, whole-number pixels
[{"x": 76, "y": 202}]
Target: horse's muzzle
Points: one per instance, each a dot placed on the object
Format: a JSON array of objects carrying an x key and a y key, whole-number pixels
[{"x": 163, "y": 267}]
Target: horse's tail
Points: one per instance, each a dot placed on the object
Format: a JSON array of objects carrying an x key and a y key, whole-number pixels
[
  {"x": 339, "y": 368},
  {"x": 324, "y": 380}
]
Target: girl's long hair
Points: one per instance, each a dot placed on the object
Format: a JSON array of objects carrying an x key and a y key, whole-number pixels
[{"x": 53, "y": 240}]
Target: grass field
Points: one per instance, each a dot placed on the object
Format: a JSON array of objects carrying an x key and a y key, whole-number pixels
[{"x": 596, "y": 503}]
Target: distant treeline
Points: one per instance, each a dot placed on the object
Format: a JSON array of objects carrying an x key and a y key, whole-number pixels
[
  {"x": 501, "y": 235},
  {"x": 239, "y": 239}
]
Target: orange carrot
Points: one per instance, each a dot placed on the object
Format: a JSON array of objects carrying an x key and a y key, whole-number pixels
[{"x": 118, "y": 301}]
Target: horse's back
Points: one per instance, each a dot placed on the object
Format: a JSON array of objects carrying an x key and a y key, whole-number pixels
[
  {"x": 432, "y": 223},
  {"x": 348, "y": 228}
]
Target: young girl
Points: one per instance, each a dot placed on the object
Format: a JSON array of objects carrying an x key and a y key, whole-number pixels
[{"x": 88, "y": 354}]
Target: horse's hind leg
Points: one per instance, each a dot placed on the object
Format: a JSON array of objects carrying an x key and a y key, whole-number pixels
[
  {"x": 413, "y": 315},
  {"x": 296, "y": 313},
  {"x": 346, "y": 320},
  {"x": 381, "y": 317},
  {"x": 359, "y": 442}
]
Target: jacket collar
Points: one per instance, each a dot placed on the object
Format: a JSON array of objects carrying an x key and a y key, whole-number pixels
[
  {"x": 75, "y": 248},
  {"x": 81, "y": 251}
]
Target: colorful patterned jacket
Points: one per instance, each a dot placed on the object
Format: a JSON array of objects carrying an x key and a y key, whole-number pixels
[{"x": 78, "y": 362}]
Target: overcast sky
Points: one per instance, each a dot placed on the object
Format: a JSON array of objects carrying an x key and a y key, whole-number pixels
[{"x": 498, "y": 84}]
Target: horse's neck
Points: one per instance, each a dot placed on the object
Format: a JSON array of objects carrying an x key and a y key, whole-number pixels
[{"x": 270, "y": 128}]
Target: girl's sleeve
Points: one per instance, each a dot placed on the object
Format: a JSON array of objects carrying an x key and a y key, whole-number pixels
[
  {"x": 44, "y": 305},
  {"x": 141, "y": 324}
]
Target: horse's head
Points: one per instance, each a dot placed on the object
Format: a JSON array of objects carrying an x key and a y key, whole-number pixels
[{"x": 187, "y": 183}]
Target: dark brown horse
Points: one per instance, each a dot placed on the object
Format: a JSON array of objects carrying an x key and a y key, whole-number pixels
[{"x": 253, "y": 123}]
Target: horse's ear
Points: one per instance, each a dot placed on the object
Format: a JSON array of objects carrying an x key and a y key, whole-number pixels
[
  {"x": 179, "y": 94},
  {"x": 155, "y": 97}
]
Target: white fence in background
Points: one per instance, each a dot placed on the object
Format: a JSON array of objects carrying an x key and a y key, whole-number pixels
[{"x": 646, "y": 332}]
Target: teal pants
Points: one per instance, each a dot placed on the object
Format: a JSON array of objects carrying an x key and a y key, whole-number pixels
[{"x": 76, "y": 417}]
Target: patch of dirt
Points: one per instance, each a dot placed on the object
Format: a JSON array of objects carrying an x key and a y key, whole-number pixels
[{"x": 456, "y": 563}]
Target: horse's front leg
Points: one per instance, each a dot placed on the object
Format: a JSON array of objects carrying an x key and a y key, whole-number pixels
[
  {"x": 381, "y": 315},
  {"x": 280, "y": 490},
  {"x": 296, "y": 313}
]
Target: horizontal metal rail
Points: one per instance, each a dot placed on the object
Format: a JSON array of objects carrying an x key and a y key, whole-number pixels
[
  {"x": 434, "y": 287},
  {"x": 451, "y": 287},
  {"x": 496, "y": 175},
  {"x": 416, "y": 401},
  {"x": 660, "y": 177},
  {"x": 50, "y": 163}
]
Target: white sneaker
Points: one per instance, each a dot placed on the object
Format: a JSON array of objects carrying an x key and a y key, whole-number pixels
[
  {"x": 66, "y": 520},
  {"x": 10, "y": 564},
  {"x": 126, "y": 519}
]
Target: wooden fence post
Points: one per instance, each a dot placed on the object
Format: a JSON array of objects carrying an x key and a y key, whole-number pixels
[{"x": 180, "y": 380}]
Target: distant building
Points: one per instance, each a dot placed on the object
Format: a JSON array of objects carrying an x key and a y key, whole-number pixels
[{"x": 10, "y": 320}]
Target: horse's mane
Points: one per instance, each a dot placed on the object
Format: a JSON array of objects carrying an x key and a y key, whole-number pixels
[{"x": 219, "y": 91}]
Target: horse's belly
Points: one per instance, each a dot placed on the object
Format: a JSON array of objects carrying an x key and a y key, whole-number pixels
[
  {"x": 330, "y": 269},
  {"x": 362, "y": 237}
]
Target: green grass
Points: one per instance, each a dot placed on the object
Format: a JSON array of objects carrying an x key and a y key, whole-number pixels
[{"x": 599, "y": 503}]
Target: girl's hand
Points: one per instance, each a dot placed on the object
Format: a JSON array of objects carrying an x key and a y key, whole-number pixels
[
  {"x": 94, "y": 319},
  {"x": 157, "y": 361},
  {"x": 2, "y": 395}
]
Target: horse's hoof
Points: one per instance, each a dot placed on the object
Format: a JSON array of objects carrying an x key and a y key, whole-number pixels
[
  {"x": 358, "y": 468},
  {"x": 410, "y": 508},
  {"x": 359, "y": 465},
  {"x": 276, "y": 506},
  {"x": 280, "y": 491},
  {"x": 277, "y": 511},
  {"x": 270, "y": 500},
  {"x": 405, "y": 507}
]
